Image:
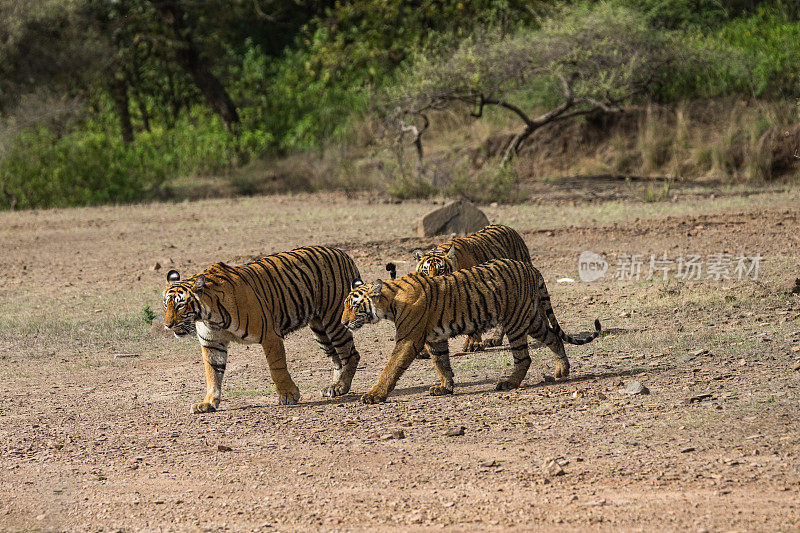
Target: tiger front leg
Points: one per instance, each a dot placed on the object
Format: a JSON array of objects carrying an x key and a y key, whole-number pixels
[
  {"x": 405, "y": 351},
  {"x": 214, "y": 359},
  {"x": 474, "y": 343},
  {"x": 440, "y": 353},
  {"x": 288, "y": 393}
]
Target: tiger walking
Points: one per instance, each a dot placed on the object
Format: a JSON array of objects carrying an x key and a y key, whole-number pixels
[
  {"x": 261, "y": 302},
  {"x": 427, "y": 311},
  {"x": 492, "y": 242}
]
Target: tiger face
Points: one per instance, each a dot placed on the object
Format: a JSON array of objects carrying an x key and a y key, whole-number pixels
[
  {"x": 182, "y": 303},
  {"x": 360, "y": 306},
  {"x": 436, "y": 262}
]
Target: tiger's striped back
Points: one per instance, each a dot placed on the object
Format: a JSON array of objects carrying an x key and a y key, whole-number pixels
[{"x": 492, "y": 242}]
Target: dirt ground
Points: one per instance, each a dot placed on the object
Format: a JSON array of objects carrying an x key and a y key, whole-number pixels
[{"x": 90, "y": 441}]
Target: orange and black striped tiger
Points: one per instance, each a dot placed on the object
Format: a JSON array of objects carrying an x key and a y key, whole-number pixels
[
  {"x": 427, "y": 311},
  {"x": 492, "y": 242},
  {"x": 261, "y": 302}
]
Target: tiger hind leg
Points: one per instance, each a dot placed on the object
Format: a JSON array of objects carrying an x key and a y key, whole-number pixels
[
  {"x": 541, "y": 332},
  {"x": 440, "y": 354},
  {"x": 522, "y": 361},
  {"x": 337, "y": 343}
]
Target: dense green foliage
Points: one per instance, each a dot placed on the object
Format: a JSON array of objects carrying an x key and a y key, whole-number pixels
[{"x": 107, "y": 101}]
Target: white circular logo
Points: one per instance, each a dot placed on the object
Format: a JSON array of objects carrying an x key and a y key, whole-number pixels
[{"x": 591, "y": 266}]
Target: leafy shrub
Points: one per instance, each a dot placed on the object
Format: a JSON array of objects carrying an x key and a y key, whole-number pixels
[
  {"x": 41, "y": 170},
  {"x": 148, "y": 315},
  {"x": 492, "y": 184}
]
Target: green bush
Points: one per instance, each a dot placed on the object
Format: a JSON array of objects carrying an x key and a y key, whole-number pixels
[
  {"x": 93, "y": 166},
  {"x": 42, "y": 170}
]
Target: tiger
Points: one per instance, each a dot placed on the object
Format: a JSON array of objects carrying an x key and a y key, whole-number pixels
[
  {"x": 492, "y": 242},
  {"x": 428, "y": 310},
  {"x": 261, "y": 302}
]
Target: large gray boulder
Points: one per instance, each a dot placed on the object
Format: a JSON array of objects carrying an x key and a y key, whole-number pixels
[{"x": 455, "y": 217}]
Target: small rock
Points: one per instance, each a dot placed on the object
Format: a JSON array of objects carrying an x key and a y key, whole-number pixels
[
  {"x": 601, "y": 396},
  {"x": 796, "y": 348},
  {"x": 398, "y": 434},
  {"x": 489, "y": 464},
  {"x": 698, "y": 353},
  {"x": 455, "y": 432},
  {"x": 552, "y": 468},
  {"x": 796, "y": 288},
  {"x": 595, "y": 503},
  {"x": 687, "y": 449},
  {"x": 625, "y": 314},
  {"x": 796, "y": 367},
  {"x": 156, "y": 266},
  {"x": 223, "y": 448},
  {"x": 634, "y": 387},
  {"x": 699, "y": 398}
]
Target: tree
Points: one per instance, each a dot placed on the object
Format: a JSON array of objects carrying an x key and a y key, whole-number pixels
[
  {"x": 188, "y": 54},
  {"x": 582, "y": 60}
]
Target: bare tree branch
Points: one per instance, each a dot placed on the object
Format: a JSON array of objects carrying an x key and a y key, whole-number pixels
[{"x": 417, "y": 132}]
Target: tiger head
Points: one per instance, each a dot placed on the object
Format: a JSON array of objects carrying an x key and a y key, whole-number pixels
[
  {"x": 436, "y": 262},
  {"x": 361, "y": 305},
  {"x": 182, "y": 303}
]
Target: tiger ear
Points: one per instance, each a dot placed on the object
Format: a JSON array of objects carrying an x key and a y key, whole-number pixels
[
  {"x": 376, "y": 289},
  {"x": 357, "y": 283},
  {"x": 418, "y": 255},
  {"x": 173, "y": 275},
  {"x": 451, "y": 252},
  {"x": 199, "y": 282}
]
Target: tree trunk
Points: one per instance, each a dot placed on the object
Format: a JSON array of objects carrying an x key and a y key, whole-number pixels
[
  {"x": 143, "y": 111},
  {"x": 190, "y": 59},
  {"x": 119, "y": 93}
]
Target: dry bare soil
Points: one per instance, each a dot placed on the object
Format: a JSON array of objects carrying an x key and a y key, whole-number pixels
[{"x": 93, "y": 442}]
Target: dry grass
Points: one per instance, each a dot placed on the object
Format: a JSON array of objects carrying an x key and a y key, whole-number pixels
[{"x": 728, "y": 141}]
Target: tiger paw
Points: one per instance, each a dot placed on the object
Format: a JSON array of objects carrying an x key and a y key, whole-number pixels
[
  {"x": 562, "y": 370},
  {"x": 473, "y": 345},
  {"x": 288, "y": 398},
  {"x": 339, "y": 388},
  {"x": 492, "y": 342},
  {"x": 370, "y": 398},
  {"x": 506, "y": 385},
  {"x": 203, "y": 407},
  {"x": 438, "y": 390}
]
